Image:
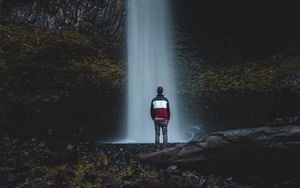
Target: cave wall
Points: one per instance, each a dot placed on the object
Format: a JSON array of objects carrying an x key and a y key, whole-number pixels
[
  {"x": 234, "y": 60},
  {"x": 102, "y": 19},
  {"x": 74, "y": 46}
]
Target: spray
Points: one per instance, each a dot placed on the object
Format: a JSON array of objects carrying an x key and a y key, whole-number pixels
[{"x": 150, "y": 65}]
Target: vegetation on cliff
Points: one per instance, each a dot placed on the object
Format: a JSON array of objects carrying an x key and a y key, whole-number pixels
[
  {"x": 55, "y": 79},
  {"x": 249, "y": 93},
  {"x": 256, "y": 76},
  {"x": 102, "y": 20}
]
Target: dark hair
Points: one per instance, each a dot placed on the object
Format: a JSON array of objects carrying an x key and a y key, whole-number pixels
[{"x": 160, "y": 90}]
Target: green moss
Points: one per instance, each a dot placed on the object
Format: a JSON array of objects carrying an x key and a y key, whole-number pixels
[
  {"x": 256, "y": 76},
  {"x": 150, "y": 174},
  {"x": 102, "y": 160},
  {"x": 54, "y": 58},
  {"x": 72, "y": 173},
  {"x": 83, "y": 167},
  {"x": 54, "y": 73},
  {"x": 5, "y": 169},
  {"x": 3, "y": 67},
  {"x": 125, "y": 172}
]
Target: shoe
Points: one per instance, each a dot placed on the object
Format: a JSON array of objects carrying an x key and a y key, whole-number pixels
[{"x": 157, "y": 148}]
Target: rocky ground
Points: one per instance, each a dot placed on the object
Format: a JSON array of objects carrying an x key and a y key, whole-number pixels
[{"x": 53, "y": 163}]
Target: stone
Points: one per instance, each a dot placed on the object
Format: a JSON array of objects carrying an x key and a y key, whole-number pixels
[
  {"x": 172, "y": 168},
  {"x": 70, "y": 147},
  {"x": 265, "y": 149},
  {"x": 42, "y": 144}
]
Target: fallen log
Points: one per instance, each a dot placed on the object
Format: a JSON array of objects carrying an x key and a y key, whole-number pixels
[{"x": 260, "y": 150}]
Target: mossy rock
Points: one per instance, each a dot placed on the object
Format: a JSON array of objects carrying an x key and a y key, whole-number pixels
[
  {"x": 243, "y": 94},
  {"x": 261, "y": 77},
  {"x": 55, "y": 79}
]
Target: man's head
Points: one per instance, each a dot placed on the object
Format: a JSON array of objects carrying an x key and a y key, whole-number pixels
[{"x": 160, "y": 90}]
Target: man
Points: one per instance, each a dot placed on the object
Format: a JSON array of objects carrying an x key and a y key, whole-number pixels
[{"x": 160, "y": 113}]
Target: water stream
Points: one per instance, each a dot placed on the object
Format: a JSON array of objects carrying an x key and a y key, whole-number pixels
[{"x": 150, "y": 65}]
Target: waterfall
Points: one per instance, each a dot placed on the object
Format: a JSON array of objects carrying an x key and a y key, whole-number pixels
[{"x": 149, "y": 64}]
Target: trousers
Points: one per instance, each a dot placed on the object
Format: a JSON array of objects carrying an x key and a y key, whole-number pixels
[{"x": 161, "y": 124}]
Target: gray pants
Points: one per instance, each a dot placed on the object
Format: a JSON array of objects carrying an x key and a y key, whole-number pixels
[{"x": 163, "y": 124}]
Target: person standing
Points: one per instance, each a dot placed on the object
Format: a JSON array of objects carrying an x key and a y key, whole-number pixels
[{"x": 160, "y": 114}]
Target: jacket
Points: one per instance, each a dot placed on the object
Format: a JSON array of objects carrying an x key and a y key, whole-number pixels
[{"x": 160, "y": 108}]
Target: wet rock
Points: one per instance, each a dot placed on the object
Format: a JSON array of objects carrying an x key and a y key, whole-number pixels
[
  {"x": 196, "y": 132},
  {"x": 84, "y": 170},
  {"x": 42, "y": 144},
  {"x": 202, "y": 181},
  {"x": 70, "y": 147},
  {"x": 211, "y": 182},
  {"x": 103, "y": 20},
  {"x": 265, "y": 149},
  {"x": 172, "y": 169}
]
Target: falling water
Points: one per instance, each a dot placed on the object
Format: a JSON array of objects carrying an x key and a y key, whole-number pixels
[{"x": 149, "y": 65}]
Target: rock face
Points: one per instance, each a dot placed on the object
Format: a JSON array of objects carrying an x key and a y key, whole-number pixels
[
  {"x": 101, "y": 19},
  {"x": 262, "y": 150},
  {"x": 56, "y": 82}
]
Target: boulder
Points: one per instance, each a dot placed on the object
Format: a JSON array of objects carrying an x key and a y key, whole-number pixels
[{"x": 263, "y": 150}]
